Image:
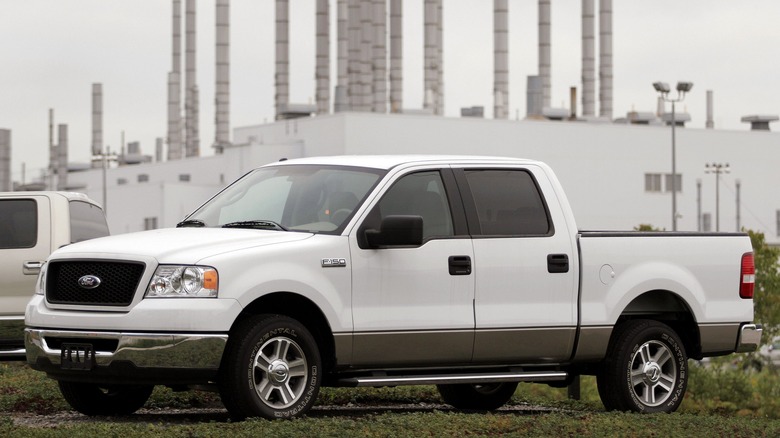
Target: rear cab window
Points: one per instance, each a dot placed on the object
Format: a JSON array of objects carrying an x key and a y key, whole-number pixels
[
  {"x": 19, "y": 223},
  {"x": 87, "y": 221},
  {"x": 508, "y": 202}
]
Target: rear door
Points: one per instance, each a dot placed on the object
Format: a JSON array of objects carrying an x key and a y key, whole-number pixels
[
  {"x": 524, "y": 259},
  {"x": 25, "y": 237},
  {"x": 414, "y": 305}
]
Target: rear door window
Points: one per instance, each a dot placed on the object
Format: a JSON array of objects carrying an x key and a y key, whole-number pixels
[
  {"x": 508, "y": 203},
  {"x": 18, "y": 223}
]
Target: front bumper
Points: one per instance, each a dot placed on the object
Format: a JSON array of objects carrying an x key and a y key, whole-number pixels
[
  {"x": 158, "y": 358},
  {"x": 749, "y": 338}
]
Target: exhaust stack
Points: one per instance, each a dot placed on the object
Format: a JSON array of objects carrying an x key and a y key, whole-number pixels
[
  {"x": 222, "y": 94},
  {"x": 544, "y": 51},
  {"x": 605, "y": 66},
  {"x": 500, "y": 58},
  {"x": 588, "y": 59},
  {"x": 322, "y": 70}
]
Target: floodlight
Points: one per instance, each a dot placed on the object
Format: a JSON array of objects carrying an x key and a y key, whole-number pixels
[
  {"x": 684, "y": 87},
  {"x": 662, "y": 87}
]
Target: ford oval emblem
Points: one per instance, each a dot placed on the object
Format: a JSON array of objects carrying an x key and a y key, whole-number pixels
[{"x": 89, "y": 282}]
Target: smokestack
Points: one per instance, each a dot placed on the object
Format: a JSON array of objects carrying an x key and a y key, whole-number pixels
[
  {"x": 605, "y": 65},
  {"x": 431, "y": 49},
  {"x": 440, "y": 57},
  {"x": 710, "y": 122},
  {"x": 322, "y": 69},
  {"x": 174, "y": 89},
  {"x": 222, "y": 90},
  {"x": 544, "y": 50},
  {"x": 342, "y": 61},
  {"x": 97, "y": 119},
  {"x": 5, "y": 160},
  {"x": 572, "y": 103},
  {"x": 380, "y": 56},
  {"x": 52, "y": 152},
  {"x": 366, "y": 60},
  {"x": 396, "y": 56},
  {"x": 158, "y": 150},
  {"x": 588, "y": 58},
  {"x": 62, "y": 157},
  {"x": 500, "y": 58},
  {"x": 353, "y": 53},
  {"x": 282, "y": 56},
  {"x": 191, "y": 139}
]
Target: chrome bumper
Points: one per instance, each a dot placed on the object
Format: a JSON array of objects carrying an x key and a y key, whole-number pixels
[
  {"x": 749, "y": 338},
  {"x": 144, "y": 350}
]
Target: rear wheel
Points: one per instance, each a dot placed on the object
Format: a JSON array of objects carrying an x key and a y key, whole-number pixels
[
  {"x": 485, "y": 397},
  {"x": 645, "y": 370},
  {"x": 271, "y": 369},
  {"x": 90, "y": 399}
]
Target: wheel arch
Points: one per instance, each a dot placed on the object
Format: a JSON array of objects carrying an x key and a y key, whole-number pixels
[
  {"x": 668, "y": 308},
  {"x": 302, "y": 310}
]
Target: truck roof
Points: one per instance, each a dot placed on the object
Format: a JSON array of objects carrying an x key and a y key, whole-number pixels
[
  {"x": 391, "y": 161},
  {"x": 70, "y": 196}
]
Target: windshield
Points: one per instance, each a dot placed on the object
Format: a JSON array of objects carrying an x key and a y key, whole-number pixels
[{"x": 312, "y": 198}]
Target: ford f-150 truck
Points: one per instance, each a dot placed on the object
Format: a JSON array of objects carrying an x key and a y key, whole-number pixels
[
  {"x": 32, "y": 225},
  {"x": 463, "y": 272}
]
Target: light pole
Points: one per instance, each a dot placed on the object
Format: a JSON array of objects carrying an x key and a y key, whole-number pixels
[
  {"x": 663, "y": 89},
  {"x": 717, "y": 169}
]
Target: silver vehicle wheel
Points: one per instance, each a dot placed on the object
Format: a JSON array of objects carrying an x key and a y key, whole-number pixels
[
  {"x": 645, "y": 369},
  {"x": 653, "y": 373},
  {"x": 280, "y": 373},
  {"x": 271, "y": 369}
]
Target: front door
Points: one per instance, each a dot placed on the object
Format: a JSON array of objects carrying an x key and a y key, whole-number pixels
[{"x": 413, "y": 305}]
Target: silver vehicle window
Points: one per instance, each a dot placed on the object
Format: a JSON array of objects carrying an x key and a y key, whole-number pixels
[
  {"x": 87, "y": 221},
  {"x": 18, "y": 223}
]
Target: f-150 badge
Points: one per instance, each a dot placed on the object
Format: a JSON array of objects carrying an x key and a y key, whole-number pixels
[{"x": 334, "y": 263}]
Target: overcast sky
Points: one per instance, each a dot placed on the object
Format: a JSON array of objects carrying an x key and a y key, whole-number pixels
[{"x": 51, "y": 51}]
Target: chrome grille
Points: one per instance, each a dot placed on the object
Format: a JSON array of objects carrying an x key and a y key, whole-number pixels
[{"x": 117, "y": 285}]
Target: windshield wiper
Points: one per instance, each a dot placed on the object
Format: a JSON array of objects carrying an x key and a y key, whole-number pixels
[
  {"x": 259, "y": 224},
  {"x": 191, "y": 223}
]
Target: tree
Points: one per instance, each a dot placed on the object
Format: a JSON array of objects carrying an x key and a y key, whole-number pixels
[{"x": 766, "y": 298}]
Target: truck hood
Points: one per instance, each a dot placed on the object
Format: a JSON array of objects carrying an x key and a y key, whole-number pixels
[{"x": 177, "y": 245}]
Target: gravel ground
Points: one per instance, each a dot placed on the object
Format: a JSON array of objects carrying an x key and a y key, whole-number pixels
[{"x": 190, "y": 416}]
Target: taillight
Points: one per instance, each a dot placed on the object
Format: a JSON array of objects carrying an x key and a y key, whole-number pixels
[{"x": 747, "y": 279}]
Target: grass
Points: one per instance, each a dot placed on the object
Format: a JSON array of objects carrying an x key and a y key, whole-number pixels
[{"x": 720, "y": 402}]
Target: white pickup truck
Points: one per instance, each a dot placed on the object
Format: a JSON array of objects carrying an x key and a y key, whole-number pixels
[
  {"x": 463, "y": 272},
  {"x": 32, "y": 225}
]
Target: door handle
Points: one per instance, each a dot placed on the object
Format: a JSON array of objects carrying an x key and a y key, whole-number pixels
[
  {"x": 557, "y": 263},
  {"x": 31, "y": 267},
  {"x": 460, "y": 265}
]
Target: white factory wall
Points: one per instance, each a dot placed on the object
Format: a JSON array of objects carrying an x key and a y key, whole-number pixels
[{"x": 601, "y": 166}]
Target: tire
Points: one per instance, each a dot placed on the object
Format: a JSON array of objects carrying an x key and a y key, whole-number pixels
[
  {"x": 271, "y": 369},
  {"x": 646, "y": 369},
  {"x": 486, "y": 397},
  {"x": 90, "y": 399}
]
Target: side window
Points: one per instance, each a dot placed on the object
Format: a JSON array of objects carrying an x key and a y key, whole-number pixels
[
  {"x": 87, "y": 221},
  {"x": 19, "y": 222},
  {"x": 508, "y": 203},
  {"x": 420, "y": 194}
]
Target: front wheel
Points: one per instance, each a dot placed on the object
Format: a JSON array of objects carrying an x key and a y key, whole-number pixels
[
  {"x": 485, "y": 397},
  {"x": 271, "y": 369},
  {"x": 645, "y": 370},
  {"x": 90, "y": 399}
]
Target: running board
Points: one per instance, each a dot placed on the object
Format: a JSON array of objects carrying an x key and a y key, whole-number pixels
[{"x": 454, "y": 379}]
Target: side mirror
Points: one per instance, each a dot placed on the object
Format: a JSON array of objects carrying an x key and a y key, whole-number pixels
[{"x": 397, "y": 231}]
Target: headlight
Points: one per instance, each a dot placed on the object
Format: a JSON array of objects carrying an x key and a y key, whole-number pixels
[
  {"x": 40, "y": 283},
  {"x": 170, "y": 281}
]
